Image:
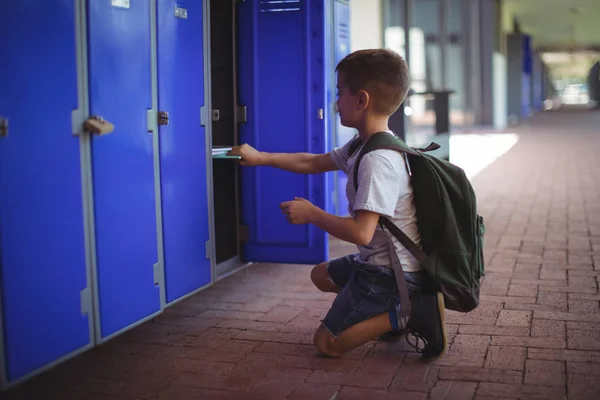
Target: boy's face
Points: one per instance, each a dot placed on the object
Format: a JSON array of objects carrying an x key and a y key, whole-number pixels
[{"x": 348, "y": 105}]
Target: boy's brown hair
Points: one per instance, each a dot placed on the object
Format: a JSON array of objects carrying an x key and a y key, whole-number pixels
[{"x": 382, "y": 73}]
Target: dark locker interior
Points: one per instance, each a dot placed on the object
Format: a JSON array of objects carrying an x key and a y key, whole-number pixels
[{"x": 224, "y": 127}]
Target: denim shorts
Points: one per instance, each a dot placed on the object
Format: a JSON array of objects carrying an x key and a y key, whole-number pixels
[{"x": 366, "y": 291}]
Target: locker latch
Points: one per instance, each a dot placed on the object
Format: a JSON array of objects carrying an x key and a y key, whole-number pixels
[
  {"x": 216, "y": 115},
  {"x": 98, "y": 125},
  {"x": 163, "y": 118},
  {"x": 3, "y": 127}
]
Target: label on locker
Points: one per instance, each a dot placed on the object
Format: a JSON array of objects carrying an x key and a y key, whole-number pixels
[{"x": 120, "y": 3}]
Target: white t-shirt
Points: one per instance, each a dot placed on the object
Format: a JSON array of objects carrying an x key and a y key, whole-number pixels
[{"x": 384, "y": 187}]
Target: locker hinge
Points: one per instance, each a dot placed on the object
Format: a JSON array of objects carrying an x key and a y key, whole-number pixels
[
  {"x": 242, "y": 233},
  {"x": 86, "y": 301},
  {"x": 208, "y": 249},
  {"x": 203, "y": 116},
  {"x": 242, "y": 114},
  {"x": 157, "y": 271},
  {"x": 3, "y": 127},
  {"x": 162, "y": 118},
  {"x": 152, "y": 120}
]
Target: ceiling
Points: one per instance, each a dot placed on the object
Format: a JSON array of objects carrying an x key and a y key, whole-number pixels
[{"x": 559, "y": 25}]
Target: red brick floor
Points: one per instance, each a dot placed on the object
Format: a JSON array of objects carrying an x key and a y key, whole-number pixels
[{"x": 536, "y": 334}]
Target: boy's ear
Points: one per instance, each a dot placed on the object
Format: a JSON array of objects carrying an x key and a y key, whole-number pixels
[{"x": 363, "y": 100}]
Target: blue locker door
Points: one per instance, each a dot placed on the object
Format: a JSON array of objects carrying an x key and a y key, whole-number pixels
[
  {"x": 122, "y": 162},
  {"x": 282, "y": 81},
  {"x": 183, "y": 147},
  {"x": 42, "y": 248},
  {"x": 341, "y": 17}
]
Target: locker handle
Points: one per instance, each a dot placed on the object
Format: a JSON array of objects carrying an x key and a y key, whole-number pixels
[{"x": 98, "y": 125}]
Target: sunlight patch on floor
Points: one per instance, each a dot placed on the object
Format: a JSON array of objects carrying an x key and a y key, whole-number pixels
[{"x": 474, "y": 152}]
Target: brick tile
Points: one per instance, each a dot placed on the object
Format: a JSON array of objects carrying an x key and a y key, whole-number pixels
[
  {"x": 584, "y": 387},
  {"x": 553, "y": 273},
  {"x": 555, "y": 255},
  {"x": 546, "y": 373},
  {"x": 271, "y": 336},
  {"x": 280, "y": 383},
  {"x": 287, "y": 349},
  {"x": 548, "y": 328},
  {"x": 249, "y": 325},
  {"x": 527, "y": 271},
  {"x": 529, "y": 392},
  {"x": 584, "y": 326},
  {"x": 480, "y": 375},
  {"x": 583, "y": 340},
  {"x": 584, "y": 296},
  {"x": 548, "y": 343},
  {"x": 385, "y": 364},
  {"x": 495, "y": 285},
  {"x": 570, "y": 288},
  {"x": 584, "y": 258},
  {"x": 467, "y": 360},
  {"x": 320, "y": 363},
  {"x": 531, "y": 307},
  {"x": 353, "y": 393},
  {"x": 194, "y": 393},
  {"x": 485, "y": 314},
  {"x": 514, "y": 318},
  {"x": 494, "y": 330},
  {"x": 468, "y": 344},
  {"x": 359, "y": 379},
  {"x": 554, "y": 299},
  {"x": 230, "y": 314},
  {"x": 257, "y": 363},
  {"x": 564, "y": 355},
  {"x": 149, "y": 387},
  {"x": 506, "y": 357},
  {"x": 232, "y": 351},
  {"x": 484, "y": 298},
  {"x": 414, "y": 376},
  {"x": 583, "y": 368},
  {"x": 566, "y": 316},
  {"x": 302, "y": 324},
  {"x": 214, "y": 338},
  {"x": 583, "y": 306},
  {"x": 448, "y": 390},
  {"x": 283, "y": 314},
  {"x": 518, "y": 289},
  {"x": 316, "y": 391}
]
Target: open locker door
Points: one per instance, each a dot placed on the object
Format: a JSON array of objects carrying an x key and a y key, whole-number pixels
[{"x": 282, "y": 84}]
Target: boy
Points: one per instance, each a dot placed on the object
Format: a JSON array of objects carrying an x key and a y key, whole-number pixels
[{"x": 371, "y": 86}]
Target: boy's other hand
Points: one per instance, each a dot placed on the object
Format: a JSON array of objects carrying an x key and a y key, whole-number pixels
[
  {"x": 298, "y": 211},
  {"x": 250, "y": 156}
]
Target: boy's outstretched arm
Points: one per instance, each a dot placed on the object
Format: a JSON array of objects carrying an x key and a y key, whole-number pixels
[
  {"x": 301, "y": 163},
  {"x": 358, "y": 230}
]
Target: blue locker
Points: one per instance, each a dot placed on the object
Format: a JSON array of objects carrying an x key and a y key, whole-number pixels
[
  {"x": 42, "y": 248},
  {"x": 343, "y": 134},
  {"x": 181, "y": 93},
  {"x": 122, "y": 162},
  {"x": 282, "y": 81}
]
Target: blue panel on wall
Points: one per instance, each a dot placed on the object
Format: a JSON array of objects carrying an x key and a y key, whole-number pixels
[
  {"x": 283, "y": 84},
  {"x": 183, "y": 148},
  {"x": 42, "y": 249},
  {"x": 344, "y": 134},
  {"x": 123, "y": 167},
  {"x": 330, "y": 91}
]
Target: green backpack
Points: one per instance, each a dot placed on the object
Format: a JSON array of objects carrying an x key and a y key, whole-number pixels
[{"x": 451, "y": 229}]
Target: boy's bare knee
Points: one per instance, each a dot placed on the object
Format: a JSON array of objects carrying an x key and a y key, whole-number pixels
[
  {"x": 326, "y": 343},
  {"x": 321, "y": 279}
]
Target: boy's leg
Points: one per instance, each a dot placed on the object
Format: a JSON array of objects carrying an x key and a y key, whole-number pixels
[
  {"x": 361, "y": 310},
  {"x": 331, "y": 276},
  {"x": 353, "y": 337}
]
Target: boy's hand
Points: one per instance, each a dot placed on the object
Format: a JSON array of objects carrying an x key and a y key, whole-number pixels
[
  {"x": 298, "y": 211},
  {"x": 250, "y": 156}
]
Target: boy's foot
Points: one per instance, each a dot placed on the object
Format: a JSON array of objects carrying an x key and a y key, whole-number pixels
[{"x": 427, "y": 323}]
